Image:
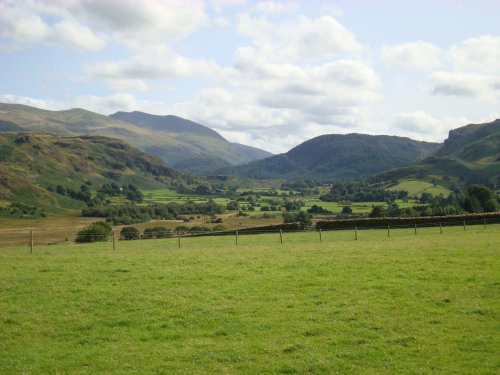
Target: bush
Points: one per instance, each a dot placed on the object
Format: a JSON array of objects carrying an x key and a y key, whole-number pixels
[
  {"x": 346, "y": 210},
  {"x": 157, "y": 232},
  {"x": 219, "y": 227},
  {"x": 130, "y": 233},
  {"x": 99, "y": 231},
  {"x": 301, "y": 217}
]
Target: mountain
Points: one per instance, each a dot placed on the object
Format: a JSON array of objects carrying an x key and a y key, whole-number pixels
[
  {"x": 252, "y": 152},
  {"x": 178, "y": 142},
  {"x": 337, "y": 156},
  {"x": 198, "y": 150},
  {"x": 471, "y": 152},
  {"x": 32, "y": 164}
]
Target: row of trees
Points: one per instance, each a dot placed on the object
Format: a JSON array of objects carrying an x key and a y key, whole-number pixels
[
  {"x": 129, "y": 214},
  {"x": 476, "y": 199},
  {"x": 361, "y": 191}
]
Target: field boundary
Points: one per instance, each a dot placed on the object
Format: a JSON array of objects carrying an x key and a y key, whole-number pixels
[{"x": 32, "y": 238}]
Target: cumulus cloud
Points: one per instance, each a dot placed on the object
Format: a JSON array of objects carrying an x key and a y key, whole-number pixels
[
  {"x": 23, "y": 25},
  {"x": 51, "y": 105},
  {"x": 422, "y": 126},
  {"x": 147, "y": 21},
  {"x": 163, "y": 65},
  {"x": 467, "y": 85},
  {"x": 481, "y": 54},
  {"x": 301, "y": 39},
  {"x": 415, "y": 55}
]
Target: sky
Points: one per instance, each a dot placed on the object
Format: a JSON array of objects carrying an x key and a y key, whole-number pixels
[{"x": 270, "y": 74}]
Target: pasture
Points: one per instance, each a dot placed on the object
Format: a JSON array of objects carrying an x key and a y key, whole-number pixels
[
  {"x": 406, "y": 304},
  {"x": 415, "y": 188}
]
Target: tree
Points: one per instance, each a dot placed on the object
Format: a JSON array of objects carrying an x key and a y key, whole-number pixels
[
  {"x": 479, "y": 198},
  {"x": 315, "y": 209},
  {"x": 301, "y": 217},
  {"x": 130, "y": 233},
  {"x": 346, "y": 210},
  {"x": 98, "y": 231},
  {"x": 378, "y": 211}
]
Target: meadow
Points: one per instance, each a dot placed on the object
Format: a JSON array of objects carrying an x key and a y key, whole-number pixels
[{"x": 401, "y": 304}]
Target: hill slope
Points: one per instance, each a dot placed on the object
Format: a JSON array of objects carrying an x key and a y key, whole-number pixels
[
  {"x": 198, "y": 150},
  {"x": 32, "y": 163},
  {"x": 471, "y": 152},
  {"x": 337, "y": 156},
  {"x": 175, "y": 140}
]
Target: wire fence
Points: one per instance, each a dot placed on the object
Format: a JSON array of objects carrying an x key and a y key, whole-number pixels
[{"x": 57, "y": 236}]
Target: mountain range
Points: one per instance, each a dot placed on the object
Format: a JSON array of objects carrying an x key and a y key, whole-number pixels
[
  {"x": 471, "y": 152},
  {"x": 180, "y": 143},
  {"x": 33, "y": 164},
  {"x": 337, "y": 156}
]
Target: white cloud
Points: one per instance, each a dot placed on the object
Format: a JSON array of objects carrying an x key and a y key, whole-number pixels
[
  {"x": 276, "y": 7},
  {"x": 416, "y": 55},
  {"x": 52, "y": 105},
  {"x": 300, "y": 39},
  {"x": 134, "y": 22},
  {"x": 479, "y": 55},
  {"x": 422, "y": 126},
  {"x": 73, "y": 34},
  {"x": 25, "y": 24},
  {"x": 485, "y": 87}
]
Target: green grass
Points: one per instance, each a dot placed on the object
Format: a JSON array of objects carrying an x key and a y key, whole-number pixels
[
  {"x": 415, "y": 188},
  {"x": 406, "y": 304}
]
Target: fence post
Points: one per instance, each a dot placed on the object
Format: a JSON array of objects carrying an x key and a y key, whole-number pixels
[
  {"x": 281, "y": 236},
  {"x": 440, "y": 228},
  {"x": 464, "y": 224},
  {"x": 236, "y": 237},
  {"x": 484, "y": 223},
  {"x": 114, "y": 241},
  {"x": 388, "y": 231},
  {"x": 320, "y": 239},
  {"x": 415, "y": 229},
  {"x": 179, "y": 237},
  {"x": 356, "y": 233},
  {"x": 31, "y": 242}
]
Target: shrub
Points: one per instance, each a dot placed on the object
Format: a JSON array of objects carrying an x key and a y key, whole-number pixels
[
  {"x": 301, "y": 217},
  {"x": 346, "y": 210},
  {"x": 157, "y": 232},
  {"x": 130, "y": 233},
  {"x": 98, "y": 231},
  {"x": 219, "y": 227}
]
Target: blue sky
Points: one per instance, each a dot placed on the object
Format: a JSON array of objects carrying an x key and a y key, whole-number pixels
[{"x": 265, "y": 73}]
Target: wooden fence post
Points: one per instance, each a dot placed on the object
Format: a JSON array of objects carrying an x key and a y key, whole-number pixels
[
  {"x": 281, "y": 236},
  {"x": 320, "y": 239},
  {"x": 388, "y": 231},
  {"x": 415, "y": 229},
  {"x": 31, "y": 242},
  {"x": 179, "y": 237},
  {"x": 356, "y": 233},
  {"x": 484, "y": 223},
  {"x": 440, "y": 228},
  {"x": 464, "y": 224},
  {"x": 114, "y": 241},
  {"x": 236, "y": 237}
]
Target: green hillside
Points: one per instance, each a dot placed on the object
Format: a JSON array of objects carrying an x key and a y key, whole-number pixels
[
  {"x": 470, "y": 153},
  {"x": 198, "y": 149},
  {"x": 33, "y": 163},
  {"x": 337, "y": 156},
  {"x": 176, "y": 141}
]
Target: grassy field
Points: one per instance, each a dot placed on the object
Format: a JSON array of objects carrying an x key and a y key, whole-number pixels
[
  {"x": 416, "y": 188},
  {"x": 405, "y": 304}
]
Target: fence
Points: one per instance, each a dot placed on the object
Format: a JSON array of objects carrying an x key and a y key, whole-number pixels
[{"x": 49, "y": 237}]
